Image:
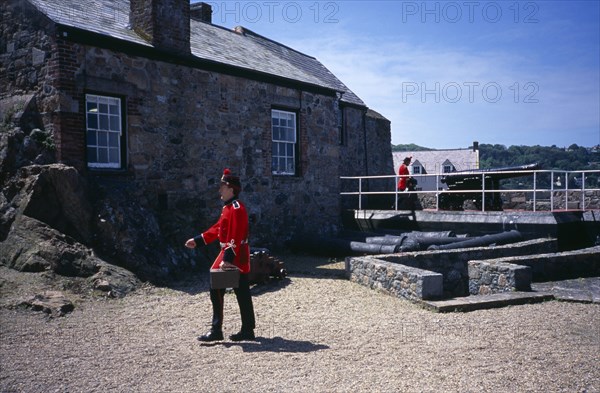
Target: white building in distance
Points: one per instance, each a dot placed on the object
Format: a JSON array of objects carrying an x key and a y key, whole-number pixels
[{"x": 427, "y": 163}]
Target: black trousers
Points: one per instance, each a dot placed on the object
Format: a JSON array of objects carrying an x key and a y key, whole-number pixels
[{"x": 244, "y": 299}]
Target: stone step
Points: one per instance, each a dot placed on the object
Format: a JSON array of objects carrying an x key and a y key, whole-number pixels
[
  {"x": 584, "y": 289},
  {"x": 480, "y": 302}
]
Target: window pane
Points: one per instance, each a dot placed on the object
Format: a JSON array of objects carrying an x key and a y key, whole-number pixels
[
  {"x": 276, "y": 133},
  {"x": 91, "y": 106},
  {"x": 114, "y": 123},
  {"x": 114, "y": 109},
  {"x": 290, "y": 165},
  {"x": 91, "y": 138},
  {"x": 103, "y": 122},
  {"x": 103, "y": 108},
  {"x": 102, "y": 155},
  {"x": 290, "y": 150},
  {"x": 91, "y": 154},
  {"x": 114, "y": 155},
  {"x": 113, "y": 139},
  {"x": 102, "y": 139},
  {"x": 92, "y": 120}
]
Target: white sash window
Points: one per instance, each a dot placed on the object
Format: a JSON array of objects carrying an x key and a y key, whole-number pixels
[{"x": 103, "y": 131}]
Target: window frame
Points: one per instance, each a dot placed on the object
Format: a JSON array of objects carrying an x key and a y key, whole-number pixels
[
  {"x": 285, "y": 143},
  {"x": 110, "y": 130}
]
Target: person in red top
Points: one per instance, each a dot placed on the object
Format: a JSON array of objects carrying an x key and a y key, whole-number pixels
[
  {"x": 231, "y": 230},
  {"x": 404, "y": 173}
]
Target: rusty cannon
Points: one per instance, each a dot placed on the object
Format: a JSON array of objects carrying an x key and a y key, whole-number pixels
[
  {"x": 265, "y": 267},
  {"x": 471, "y": 182}
]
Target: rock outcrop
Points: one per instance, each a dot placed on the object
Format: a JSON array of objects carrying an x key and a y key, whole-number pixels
[{"x": 53, "y": 219}]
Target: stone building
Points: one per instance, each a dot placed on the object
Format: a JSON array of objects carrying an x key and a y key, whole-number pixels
[{"x": 152, "y": 94}]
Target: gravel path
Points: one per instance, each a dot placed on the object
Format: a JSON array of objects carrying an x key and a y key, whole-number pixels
[{"x": 316, "y": 332}]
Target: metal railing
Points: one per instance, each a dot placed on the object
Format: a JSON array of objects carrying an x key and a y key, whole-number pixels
[{"x": 543, "y": 182}]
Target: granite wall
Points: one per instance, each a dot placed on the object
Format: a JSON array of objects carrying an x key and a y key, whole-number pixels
[{"x": 452, "y": 267}]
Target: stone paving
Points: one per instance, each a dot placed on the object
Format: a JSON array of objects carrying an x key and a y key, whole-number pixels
[
  {"x": 586, "y": 290},
  {"x": 577, "y": 290}
]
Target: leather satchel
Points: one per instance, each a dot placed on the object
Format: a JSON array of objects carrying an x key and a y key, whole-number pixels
[{"x": 220, "y": 279}]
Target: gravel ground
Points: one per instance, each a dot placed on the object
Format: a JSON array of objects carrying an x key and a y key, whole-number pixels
[{"x": 317, "y": 332}]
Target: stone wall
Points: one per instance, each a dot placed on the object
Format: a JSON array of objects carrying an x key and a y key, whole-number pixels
[
  {"x": 396, "y": 279},
  {"x": 26, "y": 65},
  {"x": 495, "y": 276},
  {"x": 367, "y": 135},
  {"x": 556, "y": 266},
  {"x": 452, "y": 265}
]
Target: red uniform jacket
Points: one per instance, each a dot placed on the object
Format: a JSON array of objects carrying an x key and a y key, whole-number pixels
[
  {"x": 404, "y": 173},
  {"x": 232, "y": 232}
]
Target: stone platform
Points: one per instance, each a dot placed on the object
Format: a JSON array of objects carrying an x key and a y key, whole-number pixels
[
  {"x": 585, "y": 290},
  {"x": 467, "y": 279},
  {"x": 480, "y": 302}
]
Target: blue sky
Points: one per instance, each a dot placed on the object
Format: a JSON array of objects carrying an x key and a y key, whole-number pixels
[{"x": 447, "y": 73}]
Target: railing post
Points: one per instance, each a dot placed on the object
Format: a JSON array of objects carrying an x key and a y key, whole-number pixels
[
  {"x": 534, "y": 189},
  {"x": 582, "y": 191},
  {"x": 360, "y": 193},
  {"x": 566, "y": 191},
  {"x": 483, "y": 192},
  {"x": 437, "y": 191},
  {"x": 552, "y": 191},
  {"x": 396, "y": 194}
]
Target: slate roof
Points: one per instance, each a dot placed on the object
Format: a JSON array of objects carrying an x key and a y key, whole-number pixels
[
  {"x": 433, "y": 160},
  {"x": 245, "y": 49}
]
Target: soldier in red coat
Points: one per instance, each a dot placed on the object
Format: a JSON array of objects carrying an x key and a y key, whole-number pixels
[
  {"x": 403, "y": 173},
  {"x": 232, "y": 233}
]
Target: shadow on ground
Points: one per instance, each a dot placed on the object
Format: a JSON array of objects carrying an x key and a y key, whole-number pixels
[
  {"x": 297, "y": 265},
  {"x": 275, "y": 344}
]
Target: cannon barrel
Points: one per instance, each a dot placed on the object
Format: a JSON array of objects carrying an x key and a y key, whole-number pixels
[
  {"x": 472, "y": 178},
  {"x": 401, "y": 239},
  {"x": 337, "y": 247},
  {"x": 511, "y": 236}
]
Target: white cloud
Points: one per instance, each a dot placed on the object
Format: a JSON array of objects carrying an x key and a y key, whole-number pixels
[{"x": 381, "y": 72}]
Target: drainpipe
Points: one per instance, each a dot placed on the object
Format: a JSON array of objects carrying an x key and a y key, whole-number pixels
[{"x": 364, "y": 121}]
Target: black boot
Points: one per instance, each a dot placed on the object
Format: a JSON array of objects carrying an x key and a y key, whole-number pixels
[
  {"x": 213, "y": 335},
  {"x": 243, "y": 335}
]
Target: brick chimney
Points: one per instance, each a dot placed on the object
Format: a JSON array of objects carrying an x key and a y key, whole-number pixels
[
  {"x": 201, "y": 12},
  {"x": 163, "y": 23}
]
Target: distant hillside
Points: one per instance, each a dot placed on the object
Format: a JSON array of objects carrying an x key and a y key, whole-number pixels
[
  {"x": 573, "y": 158},
  {"x": 409, "y": 147}
]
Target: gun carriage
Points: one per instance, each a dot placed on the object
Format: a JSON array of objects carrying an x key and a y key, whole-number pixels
[{"x": 471, "y": 182}]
